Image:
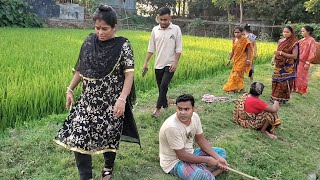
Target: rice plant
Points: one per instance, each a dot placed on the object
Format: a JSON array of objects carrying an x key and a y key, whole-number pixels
[{"x": 36, "y": 67}]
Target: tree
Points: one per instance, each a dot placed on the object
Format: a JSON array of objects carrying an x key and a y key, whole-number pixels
[
  {"x": 279, "y": 11},
  {"x": 151, "y": 7},
  {"x": 225, "y": 4},
  {"x": 313, "y": 6},
  {"x": 179, "y": 7}
]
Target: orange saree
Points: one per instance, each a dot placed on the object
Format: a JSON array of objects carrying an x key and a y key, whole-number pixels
[
  {"x": 307, "y": 53},
  {"x": 235, "y": 80}
]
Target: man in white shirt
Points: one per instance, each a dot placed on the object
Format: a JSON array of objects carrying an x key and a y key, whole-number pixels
[
  {"x": 166, "y": 41},
  {"x": 177, "y": 156}
]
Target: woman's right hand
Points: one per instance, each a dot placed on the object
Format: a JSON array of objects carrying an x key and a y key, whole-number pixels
[
  {"x": 228, "y": 64},
  {"x": 273, "y": 62},
  {"x": 69, "y": 100}
]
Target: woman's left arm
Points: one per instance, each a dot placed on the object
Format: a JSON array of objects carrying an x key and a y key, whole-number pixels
[
  {"x": 294, "y": 54},
  {"x": 128, "y": 68},
  {"x": 128, "y": 81}
]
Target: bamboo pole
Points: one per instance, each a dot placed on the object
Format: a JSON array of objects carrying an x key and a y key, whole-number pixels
[{"x": 242, "y": 174}]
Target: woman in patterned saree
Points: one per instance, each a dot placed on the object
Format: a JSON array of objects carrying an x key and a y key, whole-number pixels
[
  {"x": 284, "y": 61},
  {"x": 307, "y": 53},
  {"x": 251, "y": 112},
  {"x": 103, "y": 113},
  {"x": 242, "y": 58}
]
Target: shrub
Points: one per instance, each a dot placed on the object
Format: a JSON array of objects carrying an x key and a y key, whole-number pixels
[
  {"x": 16, "y": 13},
  {"x": 316, "y": 32}
]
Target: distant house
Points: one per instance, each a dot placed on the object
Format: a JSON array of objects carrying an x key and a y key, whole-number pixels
[{"x": 128, "y": 6}]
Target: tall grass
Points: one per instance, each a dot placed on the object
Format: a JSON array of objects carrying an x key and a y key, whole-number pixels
[{"x": 36, "y": 67}]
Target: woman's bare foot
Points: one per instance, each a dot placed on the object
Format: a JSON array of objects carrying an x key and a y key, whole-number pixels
[
  {"x": 106, "y": 174},
  {"x": 269, "y": 135},
  {"x": 156, "y": 113}
]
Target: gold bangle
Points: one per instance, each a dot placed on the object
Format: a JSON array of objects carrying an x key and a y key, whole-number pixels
[{"x": 69, "y": 90}]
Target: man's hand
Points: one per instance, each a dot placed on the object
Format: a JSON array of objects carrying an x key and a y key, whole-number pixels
[
  {"x": 145, "y": 67},
  {"x": 173, "y": 67},
  {"x": 306, "y": 66},
  {"x": 212, "y": 162},
  {"x": 223, "y": 164}
]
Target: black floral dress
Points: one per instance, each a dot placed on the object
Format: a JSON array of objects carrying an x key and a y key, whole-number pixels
[{"x": 91, "y": 127}]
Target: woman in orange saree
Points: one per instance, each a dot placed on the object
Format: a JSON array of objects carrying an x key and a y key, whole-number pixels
[
  {"x": 307, "y": 53},
  {"x": 242, "y": 59},
  {"x": 285, "y": 63}
]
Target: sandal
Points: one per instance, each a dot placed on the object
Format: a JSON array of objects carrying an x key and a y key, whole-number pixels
[{"x": 106, "y": 174}]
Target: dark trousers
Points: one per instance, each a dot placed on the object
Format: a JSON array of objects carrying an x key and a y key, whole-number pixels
[
  {"x": 84, "y": 163},
  {"x": 163, "y": 77}
]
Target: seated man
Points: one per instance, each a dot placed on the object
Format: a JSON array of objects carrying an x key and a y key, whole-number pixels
[
  {"x": 251, "y": 112},
  {"x": 177, "y": 155}
]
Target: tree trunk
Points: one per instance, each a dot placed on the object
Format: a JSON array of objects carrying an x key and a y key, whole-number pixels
[
  {"x": 184, "y": 8},
  {"x": 241, "y": 12},
  {"x": 179, "y": 7},
  {"x": 229, "y": 21}
]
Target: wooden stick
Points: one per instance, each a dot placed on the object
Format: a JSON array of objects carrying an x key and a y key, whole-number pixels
[{"x": 242, "y": 174}]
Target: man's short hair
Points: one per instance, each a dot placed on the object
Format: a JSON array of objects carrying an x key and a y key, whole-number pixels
[
  {"x": 185, "y": 98},
  {"x": 164, "y": 11}
]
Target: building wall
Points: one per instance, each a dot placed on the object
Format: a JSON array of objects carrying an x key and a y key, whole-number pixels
[
  {"x": 44, "y": 8},
  {"x": 129, "y": 5}
]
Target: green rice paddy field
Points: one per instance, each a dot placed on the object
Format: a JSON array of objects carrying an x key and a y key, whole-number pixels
[{"x": 36, "y": 67}]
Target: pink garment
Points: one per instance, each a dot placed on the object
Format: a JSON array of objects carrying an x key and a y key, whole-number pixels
[{"x": 307, "y": 53}]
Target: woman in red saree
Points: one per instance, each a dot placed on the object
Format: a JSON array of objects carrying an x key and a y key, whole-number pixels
[
  {"x": 242, "y": 59},
  {"x": 307, "y": 53},
  {"x": 285, "y": 64}
]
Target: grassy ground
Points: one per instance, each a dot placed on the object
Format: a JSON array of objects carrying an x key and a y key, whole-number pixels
[{"x": 29, "y": 153}]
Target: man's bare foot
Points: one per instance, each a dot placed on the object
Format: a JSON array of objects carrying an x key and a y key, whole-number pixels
[
  {"x": 217, "y": 172},
  {"x": 269, "y": 135}
]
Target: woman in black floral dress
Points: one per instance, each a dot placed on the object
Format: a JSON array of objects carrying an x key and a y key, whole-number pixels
[{"x": 103, "y": 113}]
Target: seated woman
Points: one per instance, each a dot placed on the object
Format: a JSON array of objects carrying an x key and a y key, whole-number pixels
[{"x": 251, "y": 112}]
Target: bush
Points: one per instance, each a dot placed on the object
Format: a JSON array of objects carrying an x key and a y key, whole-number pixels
[
  {"x": 16, "y": 13},
  {"x": 194, "y": 26},
  {"x": 316, "y": 32}
]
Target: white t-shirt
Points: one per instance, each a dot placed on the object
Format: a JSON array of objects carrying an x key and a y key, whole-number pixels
[
  {"x": 176, "y": 135},
  {"x": 166, "y": 42}
]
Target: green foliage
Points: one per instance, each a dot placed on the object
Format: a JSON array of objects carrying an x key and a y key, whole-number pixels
[
  {"x": 313, "y": 6},
  {"x": 195, "y": 25},
  {"x": 264, "y": 37},
  {"x": 151, "y": 7},
  {"x": 279, "y": 11},
  {"x": 16, "y": 13},
  {"x": 316, "y": 32},
  {"x": 224, "y": 4}
]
